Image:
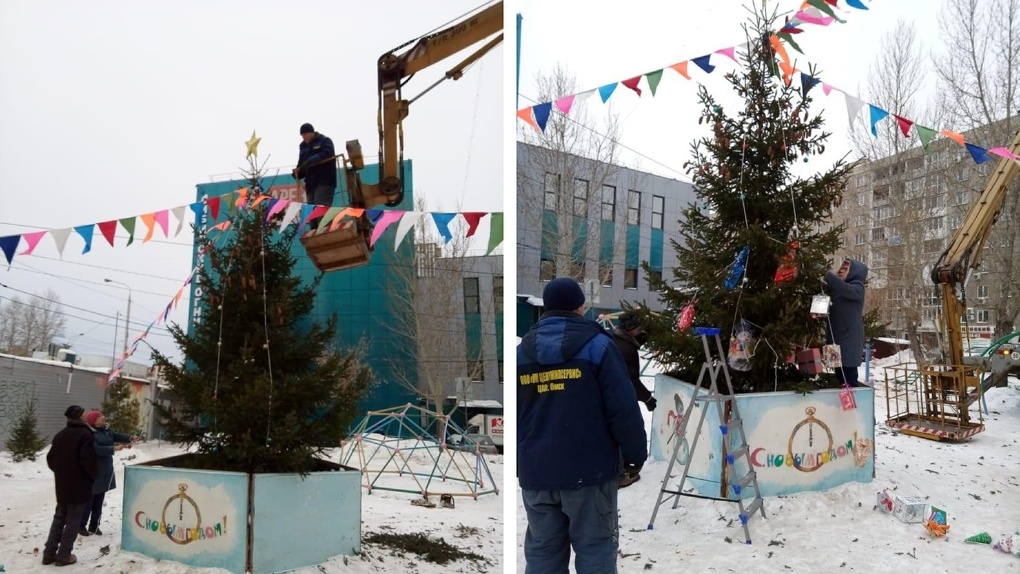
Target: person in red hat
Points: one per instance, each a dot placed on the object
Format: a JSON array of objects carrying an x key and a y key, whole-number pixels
[{"x": 107, "y": 442}]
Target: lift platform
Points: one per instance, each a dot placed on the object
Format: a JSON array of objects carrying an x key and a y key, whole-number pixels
[{"x": 345, "y": 247}]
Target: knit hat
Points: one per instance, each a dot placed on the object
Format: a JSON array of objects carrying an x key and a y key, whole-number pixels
[
  {"x": 92, "y": 417},
  {"x": 307, "y": 129},
  {"x": 73, "y": 412},
  {"x": 628, "y": 322},
  {"x": 562, "y": 294}
]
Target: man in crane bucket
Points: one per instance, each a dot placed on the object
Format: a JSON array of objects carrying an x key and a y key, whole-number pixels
[{"x": 317, "y": 165}]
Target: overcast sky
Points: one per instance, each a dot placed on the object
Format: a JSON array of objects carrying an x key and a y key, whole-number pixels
[
  {"x": 602, "y": 41},
  {"x": 118, "y": 108}
]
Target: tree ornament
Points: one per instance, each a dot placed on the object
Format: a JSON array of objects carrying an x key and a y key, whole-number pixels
[
  {"x": 738, "y": 269},
  {"x": 686, "y": 318},
  {"x": 788, "y": 266}
]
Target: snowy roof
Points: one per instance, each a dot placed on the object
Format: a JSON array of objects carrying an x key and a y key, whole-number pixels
[
  {"x": 893, "y": 341},
  {"x": 55, "y": 363},
  {"x": 480, "y": 404},
  {"x": 531, "y": 299}
]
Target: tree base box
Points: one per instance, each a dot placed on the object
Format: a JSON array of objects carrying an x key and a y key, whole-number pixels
[
  {"x": 909, "y": 509},
  {"x": 809, "y": 361}
]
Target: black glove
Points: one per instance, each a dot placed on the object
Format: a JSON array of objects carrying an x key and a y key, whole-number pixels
[
  {"x": 632, "y": 469},
  {"x": 650, "y": 404}
]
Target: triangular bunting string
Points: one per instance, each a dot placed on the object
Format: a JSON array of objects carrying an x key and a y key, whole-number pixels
[
  {"x": 704, "y": 62},
  {"x": 214, "y": 207},
  {"x": 925, "y": 134},
  {"x": 956, "y": 137},
  {"x": 385, "y": 220},
  {"x": 149, "y": 219},
  {"x": 606, "y": 91},
  {"x": 904, "y": 124},
  {"x": 853, "y": 108},
  {"x": 653, "y": 79},
  {"x": 473, "y": 218},
  {"x": 632, "y": 83},
  {"x": 179, "y": 217},
  {"x": 681, "y": 69},
  {"x": 564, "y": 104},
  {"x": 979, "y": 154},
  {"x": 728, "y": 52},
  {"x": 542, "y": 112},
  {"x": 406, "y": 224},
  {"x": 60, "y": 237},
  {"x": 198, "y": 208},
  {"x": 495, "y": 232},
  {"x": 86, "y": 232},
  {"x": 32, "y": 240},
  {"x": 373, "y": 215},
  {"x": 528, "y": 116},
  {"x": 277, "y": 207},
  {"x": 9, "y": 245},
  {"x": 108, "y": 229},
  {"x": 163, "y": 220},
  {"x": 293, "y": 210},
  {"x": 443, "y": 225},
  {"x": 877, "y": 115},
  {"x": 128, "y": 223}
]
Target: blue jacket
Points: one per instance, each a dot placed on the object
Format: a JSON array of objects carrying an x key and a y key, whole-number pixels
[
  {"x": 577, "y": 414},
  {"x": 847, "y": 313},
  {"x": 105, "y": 439},
  {"x": 317, "y": 150}
]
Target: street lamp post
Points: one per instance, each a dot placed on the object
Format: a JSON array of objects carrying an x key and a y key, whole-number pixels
[{"x": 127, "y": 318}]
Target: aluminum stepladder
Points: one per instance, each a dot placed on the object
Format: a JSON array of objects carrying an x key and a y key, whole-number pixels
[{"x": 736, "y": 449}]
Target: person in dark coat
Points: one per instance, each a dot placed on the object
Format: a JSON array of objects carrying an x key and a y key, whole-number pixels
[
  {"x": 579, "y": 426},
  {"x": 107, "y": 442},
  {"x": 629, "y": 337},
  {"x": 72, "y": 458},
  {"x": 317, "y": 165},
  {"x": 847, "y": 316}
]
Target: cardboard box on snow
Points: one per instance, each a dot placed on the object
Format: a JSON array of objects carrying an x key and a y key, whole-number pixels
[{"x": 909, "y": 509}]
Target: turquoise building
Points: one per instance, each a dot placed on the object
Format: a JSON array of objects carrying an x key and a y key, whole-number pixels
[{"x": 357, "y": 296}]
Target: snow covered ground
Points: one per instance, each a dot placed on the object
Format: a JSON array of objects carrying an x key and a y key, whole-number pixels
[
  {"x": 27, "y": 501},
  {"x": 977, "y": 483}
]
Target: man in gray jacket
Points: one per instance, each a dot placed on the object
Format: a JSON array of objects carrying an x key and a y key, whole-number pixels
[{"x": 847, "y": 316}]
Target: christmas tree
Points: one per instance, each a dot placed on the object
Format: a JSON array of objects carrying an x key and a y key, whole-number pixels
[
  {"x": 754, "y": 216},
  {"x": 121, "y": 409},
  {"x": 25, "y": 442},
  {"x": 263, "y": 388}
]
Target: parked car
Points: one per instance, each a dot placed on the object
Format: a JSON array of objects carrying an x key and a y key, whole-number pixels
[{"x": 468, "y": 442}]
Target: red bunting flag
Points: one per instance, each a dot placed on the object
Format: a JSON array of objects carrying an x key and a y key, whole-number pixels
[
  {"x": 905, "y": 125},
  {"x": 108, "y": 229},
  {"x": 632, "y": 83},
  {"x": 472, "y": 218}
]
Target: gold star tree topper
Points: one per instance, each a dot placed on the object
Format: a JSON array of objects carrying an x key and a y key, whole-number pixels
[{"x": 252, "y": 145}]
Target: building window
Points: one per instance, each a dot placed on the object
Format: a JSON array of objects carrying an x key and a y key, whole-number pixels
[
  {"x": 497, "y": 293},
  {"x": 658, "y": 209},
  {"x": 581, "y": 198},
  {"x": 860, "y": 239},
  {"x": 971, "y": 316},
  {"x": 982, "y": 315},
  {"x": 606, "y": 274},
  {"x": 608, "y": 203},
  {"x": 956, "y": 221},
  {"x": 961, "y": 198},
  {"x": 577, "y": 270},
  {"x": 547, "y": 270},
  {"x": 552, "y": 188},
  {"x": 471, "y": 303},
  {"x": 862, "y": 180},
  {"x": 982, "y": 291},
  {"x": 499, "y": 365},
  {"x": 861, "y": 199},
  {"x": 630, "y": 278},
  {"x": 860, "y": 220},
  {"x": 476, "y": 369},
  {"x": 654, "y": 278},
  {"x": 878, "y": 234},
  {"x": 633, "y": 207},
  {"x": 962, "y": 174}
]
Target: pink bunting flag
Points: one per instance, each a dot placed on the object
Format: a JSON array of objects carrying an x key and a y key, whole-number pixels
[
  {"x": 807, "y": 17},
  {"x": 279, "y": 206},
  {"x": 1003, "y": 152},
  {"x": 163, "y": 219},
  {"x": 728, "y": 52},
  {"x": 385, "y": 220},
  {"x": 564, "y": 104},
  {"x": 827, "y": 88},
  {"x": 32, "y": 239}
]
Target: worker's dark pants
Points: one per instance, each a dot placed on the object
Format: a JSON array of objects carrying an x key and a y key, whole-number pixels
[
  {"x": 94, "y": 511},
  {"x": 64, "y": 529},
  {"x": 319, "y": 195},
  {"x": 847, "y": 375}
]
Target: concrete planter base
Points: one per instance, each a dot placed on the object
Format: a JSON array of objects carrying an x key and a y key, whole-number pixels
[
  {"x": 260, "y": 523},
  {"x": 797, "y": 442}
]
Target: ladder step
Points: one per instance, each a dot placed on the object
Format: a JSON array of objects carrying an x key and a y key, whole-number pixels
[
  {"x": 750, "y": 510},
  {"x": 743, "y": 481},
  {"x": 731, "y": 457}
]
